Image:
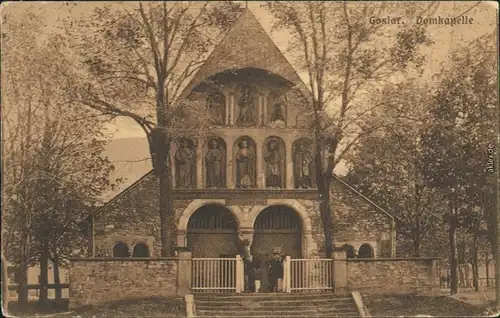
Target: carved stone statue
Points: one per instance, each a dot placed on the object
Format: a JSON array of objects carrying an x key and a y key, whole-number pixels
[
  {"x": 185, "y": 166},
  {"x": 246, "y": 107},
  {"x": 216, "y": 105},
  {"x": 213, "y": 161},
  {"x": 303, "y": 166},
  {"x": 245, "y": 160},
  {"x": 273, "y": 160},
  {"x": 277, "y": 109}
]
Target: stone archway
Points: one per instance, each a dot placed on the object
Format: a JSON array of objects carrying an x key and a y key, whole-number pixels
[
  {"x": 276, "y": 227},
  {"x": 212, "y": 232}
]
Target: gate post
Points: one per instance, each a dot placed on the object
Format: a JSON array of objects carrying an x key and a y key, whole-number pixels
[
  {"x": 240, "y": 275},
  {"x": 184, "y": 270},
  {"x": 339, "y": 264},
  {"x": 287, "y": 270}
]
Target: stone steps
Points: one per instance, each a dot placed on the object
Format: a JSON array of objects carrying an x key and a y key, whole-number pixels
[
  {"x": 275, "y": 305},
  {"x": 274, "y": 314}
]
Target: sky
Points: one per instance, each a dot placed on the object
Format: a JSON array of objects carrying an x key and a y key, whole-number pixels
[{"x": 445, "y": 37}]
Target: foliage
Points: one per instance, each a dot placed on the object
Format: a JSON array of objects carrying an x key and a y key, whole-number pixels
[
  {"x": 53, "y": 171},
  {"x": 134, "y": 61},
  {"x": 347, "y": 58},
  {"x": 389, "y": 165}
]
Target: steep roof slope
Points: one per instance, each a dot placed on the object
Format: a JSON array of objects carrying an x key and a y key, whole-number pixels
[{"x": 246, "y": 45}]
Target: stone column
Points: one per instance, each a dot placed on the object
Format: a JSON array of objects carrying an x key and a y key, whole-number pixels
[
  {"x": 231, "y": 109},
  {"x": 261, "y": 166},
  {"x": 181, "y": 238},
  {"x": 200, "y": 182},
  {"x": 260, "y": 111},
  {"x": 183, "y": 271},
  {"x": 289, "y": 164},
  {"x": 230, "y": 184},
  {"x": 339, "y": 270},
  {"x": 264, "y": 110},
  {"x": 226, "y": 110}
]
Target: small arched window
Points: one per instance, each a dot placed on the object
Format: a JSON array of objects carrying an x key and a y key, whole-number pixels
[
  {"x": 120, "y": 250},
  {"x": 140, "y": 250},
  {"x": 365, "y": 251},
  {"x": 350, "y": 252}
]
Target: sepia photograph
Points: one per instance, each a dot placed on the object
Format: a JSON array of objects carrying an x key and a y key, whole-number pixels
[{"x": 250, "y": 159}]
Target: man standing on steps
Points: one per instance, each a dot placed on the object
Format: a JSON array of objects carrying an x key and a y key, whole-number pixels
[{"x": 276, "y": 271}]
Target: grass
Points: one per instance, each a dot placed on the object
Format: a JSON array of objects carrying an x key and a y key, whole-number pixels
[
  {"x": 35, "y": 308},
  {"x": 149, "y": 307},
  {"x": 414, "y": 304}
]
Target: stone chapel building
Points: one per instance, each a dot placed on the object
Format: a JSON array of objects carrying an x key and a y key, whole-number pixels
[{"x": 252, "y": 175}]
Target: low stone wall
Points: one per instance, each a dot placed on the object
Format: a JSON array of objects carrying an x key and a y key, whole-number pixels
[
  {"x": 392, "y": 275},
  {"x": 95, "y": 281}
]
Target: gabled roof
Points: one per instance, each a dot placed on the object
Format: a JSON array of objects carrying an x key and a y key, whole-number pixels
[
  {"x": 246, "y": 45},
  {"x": 376, "y": 206}
]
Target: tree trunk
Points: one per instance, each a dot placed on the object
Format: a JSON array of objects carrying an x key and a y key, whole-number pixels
[
  {"x": 5, "y": 286},
  {"x": 453, "y": 254},
  {"x": 416, "y": 245},
  {"x": 475, "y": 264},
  {"x": 160, "y": 154},
  {"x": 22, "y": 289},
  {"x": 57, "y": 282},
  {"x": 487, "y": 262},
  {"x": 44, "y": 274},
  {"x": 323, "y": 183},
  {"x": 496, "y": 255}
]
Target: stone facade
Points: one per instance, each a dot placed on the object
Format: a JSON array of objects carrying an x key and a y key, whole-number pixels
[
  {"x": 392, "y": 275},
  {"x": 277, "y": 162},
  {"x": 132, "y": 217},
  {"x": 97, "y": 281}
]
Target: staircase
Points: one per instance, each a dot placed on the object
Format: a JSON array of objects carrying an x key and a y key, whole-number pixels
[{"x": 275, "y": 305}]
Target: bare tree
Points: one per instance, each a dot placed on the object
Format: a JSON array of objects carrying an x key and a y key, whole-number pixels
[
  {"x": 347, "y": 58},
  {"x": 135, "y": 61}
]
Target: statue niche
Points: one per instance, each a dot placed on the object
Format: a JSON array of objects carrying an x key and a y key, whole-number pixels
[
  {"x": 303, "y": 164},
  {"x": 247, "y": 110},
  {"x": 216, "y": 104},
  {"x": 215, "y": 163},
  {"x": 277, "y": 109},
  {"x": 274, "y": 157},
  {"x": 185, "y": 164},
  {"x": 245, "y": 163}
]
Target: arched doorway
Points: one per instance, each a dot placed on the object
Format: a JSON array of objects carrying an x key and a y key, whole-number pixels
[
  {"x": 276, "y": 227},
  {"x": 212, "y": 232}
]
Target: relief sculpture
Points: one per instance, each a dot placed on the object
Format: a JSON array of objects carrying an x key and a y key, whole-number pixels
[
  {"x": 214, "y": 163},
  {"x": 274, "y": 169},
  {"x": 185, "y": 165},
  {"x": 245, "y": 164}
]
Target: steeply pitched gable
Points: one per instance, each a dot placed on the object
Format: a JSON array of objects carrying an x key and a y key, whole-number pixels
[{"x": 246, "y": 45}]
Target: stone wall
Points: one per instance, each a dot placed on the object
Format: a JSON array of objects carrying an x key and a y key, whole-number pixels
[
  {"x": 392, "y": 275},
  {"x": 100, "y": 280}
]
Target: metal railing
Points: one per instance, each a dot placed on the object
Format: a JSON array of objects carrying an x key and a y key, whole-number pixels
[
  {"x": 217, "y": 275},
  {"x": 307, "y": 275}
]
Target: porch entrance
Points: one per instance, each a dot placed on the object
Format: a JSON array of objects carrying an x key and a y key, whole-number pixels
[
  {"x": 212, "y": 238},
  {"x": 275, "y": 227}
]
